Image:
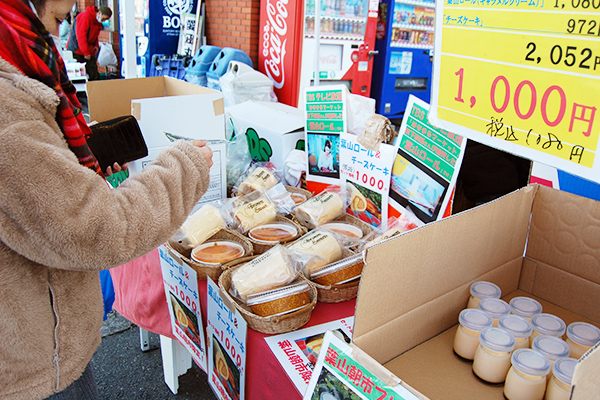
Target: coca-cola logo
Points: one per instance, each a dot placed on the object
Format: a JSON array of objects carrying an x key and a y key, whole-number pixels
[
  {"x": 330, "y": 59},
  {"x": 275, "y": 40}
]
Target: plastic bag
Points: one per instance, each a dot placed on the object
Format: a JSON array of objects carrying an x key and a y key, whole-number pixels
[
  {"x": 324, "y": 244},
  {"x": 106, "y": 55},
  {"x": 199, "y": 226},
  {"x": 260, "y": 177},
  {"x": 378, "y": 129},
  {"x": 396, "y": 226},
  {"x": 238, "y": 156},
  {"x": 360, "y": 109},
  {"x": 271, "y": 270},
  {"x": 242, "y": 83},
  {"x": 320, "y": 209}
]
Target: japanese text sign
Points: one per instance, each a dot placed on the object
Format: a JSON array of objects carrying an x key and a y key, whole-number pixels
[
  {"x": 226, "y": 337},
  {"x": 366, "y": 174},
  {"x": 522, "y": 76},
  {"x": 297, "y": 351},
  {"x": 181, "y": 289},
  {"x": 426, "y": 165},
  {"x": 338, "y": 372}
]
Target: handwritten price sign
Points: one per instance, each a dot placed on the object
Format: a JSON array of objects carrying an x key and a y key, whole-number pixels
[{"x": 522, "y": 76}]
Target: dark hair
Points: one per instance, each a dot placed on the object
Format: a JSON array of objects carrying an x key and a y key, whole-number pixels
[
  {"x": 105, "y": 11},
  {"x": 328, "y": 144}
]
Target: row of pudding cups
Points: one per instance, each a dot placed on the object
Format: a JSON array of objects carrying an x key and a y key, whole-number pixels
[{"x": 527, "y": 354}]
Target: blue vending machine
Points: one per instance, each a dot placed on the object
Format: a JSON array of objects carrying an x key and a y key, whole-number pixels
[
  {"x": 403, "y": 64},
  {"x": 157, "y": 28}
]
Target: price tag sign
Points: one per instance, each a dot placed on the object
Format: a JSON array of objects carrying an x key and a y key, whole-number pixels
[
  {"x": 181, "y": 289},
  {"x": 522, "y": 76}
]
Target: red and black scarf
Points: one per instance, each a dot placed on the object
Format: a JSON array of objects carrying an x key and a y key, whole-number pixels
[{"x": 27, "y": 45}]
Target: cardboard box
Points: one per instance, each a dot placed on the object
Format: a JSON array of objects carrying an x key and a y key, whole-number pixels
[
  {"x": 272, "y": 129},
  {"x": 160, "y": 104},
  {"x": 537, "y": 242},
  {"x": 164, "y": 104}
]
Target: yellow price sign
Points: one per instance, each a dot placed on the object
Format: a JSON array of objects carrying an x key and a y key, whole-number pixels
[{"x": 522, "y": 76}]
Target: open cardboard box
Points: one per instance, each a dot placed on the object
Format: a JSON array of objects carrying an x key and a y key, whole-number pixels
[{"x": 537, "y": 242}]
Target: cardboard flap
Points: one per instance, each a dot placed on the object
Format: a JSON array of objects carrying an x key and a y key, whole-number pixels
[
  {"x": 586, "y": 380},
  {"x": 565, "y": 232},
  {"x": 398, "y": 278},
  {"x": 108, "y": 99},
  {"x": 385, "y": 375}
]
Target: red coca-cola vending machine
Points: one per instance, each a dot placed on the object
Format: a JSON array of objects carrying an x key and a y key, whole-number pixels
[{"x": 287, "y": 45}]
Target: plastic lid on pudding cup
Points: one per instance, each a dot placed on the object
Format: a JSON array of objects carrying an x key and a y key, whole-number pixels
[
  {"x": 281, "y": 231},
  {"x": 548, "y": 324},
  {"x": 227, "y": 251},
  {"x": 551, "y": 346},
  {"x": 475, "y": 319},
  {"x": 484, "y": 289},
  {"x": 497, "y": 339},
  {"x": 495, "y": 307},
  {"x": 344, "y": 228},
  {"x": 563, "y": 369},
  {"x": 583, "y": 333},
  {"x": 530, "y": 362},
  {"x": 518, "y": 326},
  {"x": 525, "y": 307}
]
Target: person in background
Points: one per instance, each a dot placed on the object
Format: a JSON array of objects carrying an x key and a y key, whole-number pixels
[
  {"x": 60, "y": 222},
  {"x": 83, "y": 42}
]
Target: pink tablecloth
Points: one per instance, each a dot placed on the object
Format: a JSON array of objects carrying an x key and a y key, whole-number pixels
[{"x": 140, "y": 297}]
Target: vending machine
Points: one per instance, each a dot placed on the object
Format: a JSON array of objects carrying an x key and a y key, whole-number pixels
[
  {"x": 157, "y": 28},
  {"x": 404, "y": 43},
  {"x": 287, "y": 45}
]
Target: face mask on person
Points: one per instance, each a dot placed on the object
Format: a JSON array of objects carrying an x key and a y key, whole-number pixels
[{"x": 99, "y": 18}]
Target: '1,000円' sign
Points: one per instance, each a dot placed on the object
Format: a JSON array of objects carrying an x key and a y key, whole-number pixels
[{"x": 522, "y": 76}]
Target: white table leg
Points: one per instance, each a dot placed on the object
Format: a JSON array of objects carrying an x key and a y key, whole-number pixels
[
  {"x": 176, "y": 361},
  {"x": 144, "y": 340}
]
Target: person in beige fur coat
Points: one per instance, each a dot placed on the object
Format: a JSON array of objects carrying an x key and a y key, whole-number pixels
[{"x": 60, "y": 222}]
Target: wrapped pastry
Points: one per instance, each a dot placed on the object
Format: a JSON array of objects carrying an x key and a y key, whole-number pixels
[
  {"x": 320, "y": 243},
  {"x": 358, "y": 203},
  {"x": 260, "y": 180},
  {"x": 271, "y": 270},
  {"x": 320, "y": 209},
  {"x": 199, "y": 226},
  {"x": 258, "y": 212}
]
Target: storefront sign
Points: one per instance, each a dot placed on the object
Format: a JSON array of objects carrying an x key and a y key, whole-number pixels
[
  {"x": 181, "y": 289},
  {"x": 226, "y": 337},
  {"x": 521, "y": 76}
]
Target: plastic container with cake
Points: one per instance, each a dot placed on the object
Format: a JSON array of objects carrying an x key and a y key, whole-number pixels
[
  {"x": 217, "y": 252},
  {"x": 280, "y": 301},
  {"x": 280, "y": 231},
  {"x": 339, "y": 272},
  {"x": 209, "y": 269}
]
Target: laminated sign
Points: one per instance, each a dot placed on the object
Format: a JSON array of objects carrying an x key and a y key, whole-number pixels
[
  {"x": 226, "y": 337},
  {"x": 426, "y": 166},
  {"x": 181, "y": 289},
  {"x": 522, "y": 76},
  {"x": 345, "y": 372}
]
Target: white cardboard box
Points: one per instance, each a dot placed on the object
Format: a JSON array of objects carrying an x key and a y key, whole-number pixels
[
  {"x": 537, "y": 242},
  {"x": 160, "y": 104},
  {"x": 272, "y": 129},
  {"x": 164, "y": 104}
]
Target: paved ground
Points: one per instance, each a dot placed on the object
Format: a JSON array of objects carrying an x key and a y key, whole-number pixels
[{"x": 123, "y": 371}]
